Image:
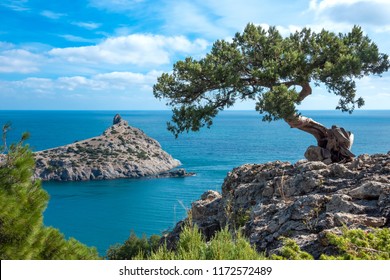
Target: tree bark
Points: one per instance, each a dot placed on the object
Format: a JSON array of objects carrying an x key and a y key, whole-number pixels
[
  {"x": 334, "y": 143},
  {"x": 310, "y": 126}
]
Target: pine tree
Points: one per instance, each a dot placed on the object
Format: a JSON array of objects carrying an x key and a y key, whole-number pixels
[
  {"x": 277, "y": 73},
  {"x": 22, "y": 203}
]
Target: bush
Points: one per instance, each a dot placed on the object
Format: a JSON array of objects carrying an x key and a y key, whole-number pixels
[
  {"x": 352, "y": 245},
  {"x": 357, "y": 244},
  {"x": 291, "y": 251},
  {"x": 134, "y": 247},
  {"x": 191, "y": 246},
  {"x": 228, "y": 246}
]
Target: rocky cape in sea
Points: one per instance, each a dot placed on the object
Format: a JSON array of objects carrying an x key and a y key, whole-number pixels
[
  {"x": 301, "y": 201},
  {"x": 121, "y": 151}
]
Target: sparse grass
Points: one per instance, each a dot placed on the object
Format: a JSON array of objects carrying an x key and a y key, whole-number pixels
[
  {"x": 191, "y": 246},
  {"x": 355, "y": 244}
]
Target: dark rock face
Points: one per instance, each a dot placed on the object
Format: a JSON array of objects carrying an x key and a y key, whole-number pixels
[
  {"x": 301, "y": 201},
  {"x": 176, "y": 173},
  {"x": 117, "y": 119}
]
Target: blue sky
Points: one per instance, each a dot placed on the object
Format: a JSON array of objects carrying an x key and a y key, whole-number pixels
[{"x": 107, "y": 54}]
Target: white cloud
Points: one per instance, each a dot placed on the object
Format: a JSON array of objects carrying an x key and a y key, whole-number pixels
[
  {"x": 362, "y": 12},
  {"x": 78, "y": 82},
  {"x": 136, "y": 49},
  {"x": 124, "y": 30},
  {"x": 285, "y": 31},
  {"x": 216, "y": 19},
  {"x": 72, "y": 38},
  {"x": 115, "y": 5},
  {"x": 87, "y": 25},
  {"x": 326, "y": 4},
  {"x": 51, "y": 14},
  {"x": 16, "y": 5},
  {"x": 104, "y": 82},
  {"x": 18, "y": 61},
  {"x": 6, "y": 45},
  {"x": 38, "y": 85},
  {"x": 185, "y": 17},
  {"x": 123, "y": 80}
]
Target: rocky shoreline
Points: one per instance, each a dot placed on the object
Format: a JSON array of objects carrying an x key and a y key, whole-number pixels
[
  {"x": 121, "y": 151},
  {"x": 302, "y": 201}
]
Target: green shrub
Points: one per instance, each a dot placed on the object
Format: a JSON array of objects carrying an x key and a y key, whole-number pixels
[
  {"x": 134, "y": 247},
  {"x": 228, "y": 246},
  {"x": 190, "y": 246},
  {"x": 357, "y": 244},
  {"x": 291, "y": 251},
  {"x": 352, "y": 245},
  {"x": 22, "y": 203}
]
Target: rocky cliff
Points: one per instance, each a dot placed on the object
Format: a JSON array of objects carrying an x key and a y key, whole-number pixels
[
  {"x": 302, "y": 201},
  {"x": 121, "y": 151}
]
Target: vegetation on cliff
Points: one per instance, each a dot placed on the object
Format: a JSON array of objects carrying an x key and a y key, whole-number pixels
[
  {"x": 191, "y": 245},
  {"x": 22, "y": 203},
  {"x": 352, "y": 244}
]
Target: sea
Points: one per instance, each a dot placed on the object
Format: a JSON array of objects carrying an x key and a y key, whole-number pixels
[{"x": 104, "y": 213}]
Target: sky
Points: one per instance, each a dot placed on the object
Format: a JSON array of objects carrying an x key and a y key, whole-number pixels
[{"x": 107, "y": 54}]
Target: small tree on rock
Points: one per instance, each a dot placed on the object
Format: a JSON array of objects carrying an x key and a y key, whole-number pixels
[{"x": 278, "y": 73}]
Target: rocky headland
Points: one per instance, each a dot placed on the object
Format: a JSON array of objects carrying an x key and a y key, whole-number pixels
[
  {"x": 121, "y": 151},
  {"x": 301, "y": 201}
]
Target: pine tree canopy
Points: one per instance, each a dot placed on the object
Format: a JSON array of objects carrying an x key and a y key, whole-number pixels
[
  {"x": 276, "y": 72},
  {"x": 22, "y": 203}
]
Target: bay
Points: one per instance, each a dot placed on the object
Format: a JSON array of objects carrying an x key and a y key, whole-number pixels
[{"x": 102, "y": 213}]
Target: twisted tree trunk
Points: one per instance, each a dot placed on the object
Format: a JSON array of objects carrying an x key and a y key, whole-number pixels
[{"x": 333, "y": 145}]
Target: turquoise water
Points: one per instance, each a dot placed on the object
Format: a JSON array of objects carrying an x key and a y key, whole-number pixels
[{"x": 102, "y": 213}]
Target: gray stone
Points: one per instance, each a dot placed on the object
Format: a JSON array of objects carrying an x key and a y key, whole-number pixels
[
  {"x": 304, "y": 201},
  {"x": 370, "y": 190},
  {"x": 315, "y": 153}
]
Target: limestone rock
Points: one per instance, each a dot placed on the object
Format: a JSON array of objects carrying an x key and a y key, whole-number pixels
[
  {"x": 121, "y": 151},
  {"x": 301, "y": 201}
]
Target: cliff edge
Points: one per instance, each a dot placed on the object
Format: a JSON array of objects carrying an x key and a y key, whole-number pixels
[
  {"x": 121, "y": 151},
  {"x": 302, "y": 201}
]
